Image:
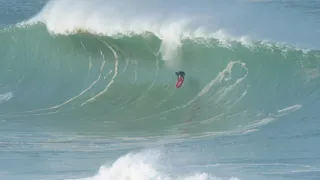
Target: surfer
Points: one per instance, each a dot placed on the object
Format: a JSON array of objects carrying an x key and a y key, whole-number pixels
[{"x": 180, "y": 80}]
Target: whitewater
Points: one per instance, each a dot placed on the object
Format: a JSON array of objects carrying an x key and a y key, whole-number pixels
[{"x": 87, "y": 90}]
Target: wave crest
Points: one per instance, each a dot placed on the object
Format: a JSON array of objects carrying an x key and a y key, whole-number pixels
[{"x": 117, "y": 20}]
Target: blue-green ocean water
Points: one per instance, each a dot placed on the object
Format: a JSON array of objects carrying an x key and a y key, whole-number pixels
[{"x": 87, "y": 90}]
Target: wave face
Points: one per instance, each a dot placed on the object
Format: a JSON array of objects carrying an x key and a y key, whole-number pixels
[
  {"x": 85, "y": 73},
  {"x": 129, "y": 80}
]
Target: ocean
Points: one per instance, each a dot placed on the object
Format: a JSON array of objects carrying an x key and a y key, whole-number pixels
[{"x": 87, "y": 90}]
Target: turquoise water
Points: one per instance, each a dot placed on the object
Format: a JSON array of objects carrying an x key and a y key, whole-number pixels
[{"x": 87, "y": 90}]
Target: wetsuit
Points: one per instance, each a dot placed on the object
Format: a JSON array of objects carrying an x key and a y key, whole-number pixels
[{"x": 180, "y": 73}]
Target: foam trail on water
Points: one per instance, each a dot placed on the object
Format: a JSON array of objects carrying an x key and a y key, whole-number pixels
[
  {"x": 77, "y": 96},
  {"x": 290, "y": 108},
  {"x": 219, "y": 78},
  {"x": 5, "y": 97},
  {"x": 222, "y": 75},
  {"x": 116, "y": 59}
]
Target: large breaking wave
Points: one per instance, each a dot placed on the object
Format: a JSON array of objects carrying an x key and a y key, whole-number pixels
[
  {"x": 83, "y": 67},
  {"x": 121, "y": 70}
]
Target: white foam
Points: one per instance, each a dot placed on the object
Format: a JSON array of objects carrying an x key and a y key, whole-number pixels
[
  {"x": 111, "y": 19},
  {"x": 142, "y": 166}
]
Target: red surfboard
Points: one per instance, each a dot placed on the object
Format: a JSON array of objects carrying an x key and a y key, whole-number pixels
[{"x": 179, "y": 82}]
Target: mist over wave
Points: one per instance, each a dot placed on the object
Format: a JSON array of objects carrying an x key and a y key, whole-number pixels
[
  {"x": 173, "y": 21},
  {"x": 117, "y": 19}
]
